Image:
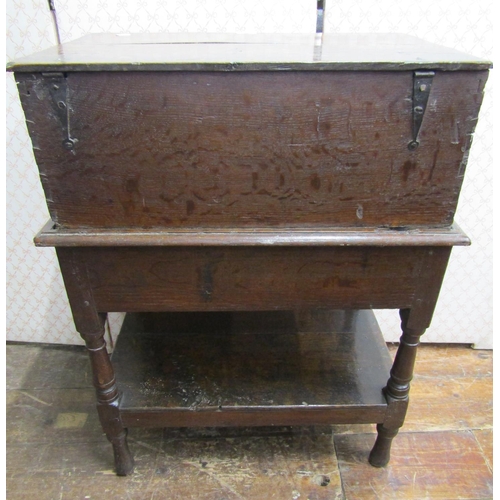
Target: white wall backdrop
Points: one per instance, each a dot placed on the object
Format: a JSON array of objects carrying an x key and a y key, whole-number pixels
[{"x": 37, "y": 308}]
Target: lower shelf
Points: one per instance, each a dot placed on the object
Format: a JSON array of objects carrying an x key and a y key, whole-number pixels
[{"x": 251, "y": 368}]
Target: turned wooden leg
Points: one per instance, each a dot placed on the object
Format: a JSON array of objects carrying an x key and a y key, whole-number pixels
[
  {"x": 397, "y": 392},
  {"x": 381, "y": 451},
  {"x": 107, "y": 401},
  {"x": 90, "y": 324},
  {"x": 414, "y": 322}
]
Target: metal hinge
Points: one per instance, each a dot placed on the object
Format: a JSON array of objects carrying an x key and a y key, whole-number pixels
[
  {"x": 422, "y": 83},
  {"x": 59, "y": 93}
]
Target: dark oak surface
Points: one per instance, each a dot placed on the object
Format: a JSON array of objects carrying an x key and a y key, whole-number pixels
[
  {"x": 250, "y": 278},
  {"x": 298, "y": 149},
  {"x": 203, "y": 367},
  {"x": 230, "y": 52},
  {"x": 49, "y": 452},
  {"x": 270, "y": 173},
  {"x": 256, "y": 278},
  {"x": 52, "y": 236}
]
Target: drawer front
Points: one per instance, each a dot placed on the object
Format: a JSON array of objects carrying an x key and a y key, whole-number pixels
[
  {"x": 222, "y": 279},
  {"x": 275, "y": 149}
]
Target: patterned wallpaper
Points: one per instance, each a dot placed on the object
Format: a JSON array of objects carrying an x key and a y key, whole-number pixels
[{"x": 37, "y": 308}]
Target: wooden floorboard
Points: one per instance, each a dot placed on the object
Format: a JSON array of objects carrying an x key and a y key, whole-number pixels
[
  {"x": 56, "y": 449},
  {"x": 439, "y": 464}
]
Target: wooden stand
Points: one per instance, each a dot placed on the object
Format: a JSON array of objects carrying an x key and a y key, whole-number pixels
[{"x": 218, "y": 368}]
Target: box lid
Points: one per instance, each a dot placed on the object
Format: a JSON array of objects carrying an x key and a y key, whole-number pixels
[{"x": 231, "y": 52}]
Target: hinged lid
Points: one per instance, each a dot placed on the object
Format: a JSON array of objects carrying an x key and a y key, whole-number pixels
[{"x": 228, "y": 52}]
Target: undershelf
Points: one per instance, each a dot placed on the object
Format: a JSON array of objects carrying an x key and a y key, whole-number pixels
[{"x": 251, "y": 368}]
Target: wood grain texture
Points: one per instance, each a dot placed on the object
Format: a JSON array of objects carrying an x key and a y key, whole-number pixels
[
  {"x": 91, "y": 326},
  {"x": 484, "y": 437},
  {"x": 454, "y": 468},
  {"x": 32, "y": 415},
  {"x": 414, "y": 322},
  {"x": 218, "y": 279},
  {"x": 452, "y": 390},
  {"x": 232, "y": 52},
  {"x": 259, "y": 183},
  {"x": 467, "y": 402},
  {"x": 211, "y": 467},
  {"x": 70, "y": 367},
  {"x": 273, "y": 368},
  {"x": 43, "y": 462},
  {"x": 461, "y": 397},
  {"x": 52, "y": 236},
  {"x": 300, "y": 464},
  {"x": 297, "y": 149}
]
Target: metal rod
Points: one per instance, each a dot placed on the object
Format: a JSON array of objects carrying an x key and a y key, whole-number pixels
[
  {"x": 320, "y": 17},
  {"x": 320, "y": 25},
  {"x": 52, "y": 9}
]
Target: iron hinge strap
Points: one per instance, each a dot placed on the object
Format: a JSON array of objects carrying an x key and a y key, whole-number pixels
[
  {"x": 422, "y": 83},
  {"x": 59, "y": 92}
]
